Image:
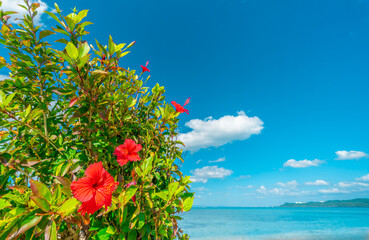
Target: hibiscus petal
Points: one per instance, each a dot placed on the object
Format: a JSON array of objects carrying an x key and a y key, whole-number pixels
[
  {"x": 95, "y": 170},
  {"x": 122, "y": 161},
  {"x": 82, "y": 189},
  {"x": 134, "y": 157},
  {"x": 138, "y": 148},
  {"x": 130, "y": 145},
  {"x": 89, "y": 207},
  {"x": 175, "y": 104}
]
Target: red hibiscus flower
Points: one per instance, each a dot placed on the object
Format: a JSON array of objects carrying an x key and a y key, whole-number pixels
[
  {"x": 94, "y": 190},
  {"x": 144, "y": 68},
  {"x": 180, "y": 108},
  {"x": 127, "y": 152}
]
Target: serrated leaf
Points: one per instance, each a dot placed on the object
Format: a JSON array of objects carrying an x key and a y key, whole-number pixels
[
  {"x": 40, "y": 190},
  {"x": 41, "y": 203},
  {"x": 68, "y": 207}
]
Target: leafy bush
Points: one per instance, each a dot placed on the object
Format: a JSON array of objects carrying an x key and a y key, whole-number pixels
[{"x": 64, "y": 111}]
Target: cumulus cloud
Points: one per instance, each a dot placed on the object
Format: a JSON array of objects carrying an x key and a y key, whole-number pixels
[
  {"x": 217, "y": 132},
  {"x": 218, "y": 160},
  {"x": 13, "y": 5},
  {"x": 363, "y": 178},
  {"x": 317, "y": 183},
  {"x": 291, "y": 185},
  {"x": 332, "y": 190},
  {"x": 209, "y": 172},
  {"x": 282, "y": 191},
  {"x": 302, "y": 163},
  {"x": 350, "y": 155}
]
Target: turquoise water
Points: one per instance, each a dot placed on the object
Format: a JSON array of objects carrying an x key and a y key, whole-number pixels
[{"x": 277, "y": 223}]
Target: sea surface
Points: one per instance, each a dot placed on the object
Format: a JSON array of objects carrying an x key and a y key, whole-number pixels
[{"x": 277, "y": 223}]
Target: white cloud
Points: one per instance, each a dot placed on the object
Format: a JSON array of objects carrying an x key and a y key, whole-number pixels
[
  {"x": 218, "y": 160},
  {"x": 332, "y": 190},
  {"x": 363, "y": 178},
  {"x": 243, "y": 177},
  {"x": 209, "y": 172},
  {"x": 352, "y": 184},
  {"x": 291, "y": 185},
  {"x": 200, "y": 189},
  {"x": 262, "y": 189},
  {"x": 302, "y": 163},
  {"x": 217, "y": 132},
  {"x": 198, "y": 161},
  {"x": 2, "y": 77},
  {"x": 350, "y": 155},
  {"x": 12, "y": 5},
  {"x": 317, "y": 183},
  {"x": 282, "y": 191}
]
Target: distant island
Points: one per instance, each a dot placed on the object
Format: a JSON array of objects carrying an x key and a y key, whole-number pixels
[{"x": 358, "y": 202}]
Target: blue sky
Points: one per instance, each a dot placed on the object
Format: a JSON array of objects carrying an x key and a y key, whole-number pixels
[{"x": 272, "y": 83}]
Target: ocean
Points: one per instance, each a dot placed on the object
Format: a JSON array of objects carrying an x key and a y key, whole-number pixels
[{"x": 276, "y": 223}]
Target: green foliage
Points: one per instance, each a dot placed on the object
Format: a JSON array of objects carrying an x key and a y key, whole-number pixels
[{"x": 62, "y": 109}]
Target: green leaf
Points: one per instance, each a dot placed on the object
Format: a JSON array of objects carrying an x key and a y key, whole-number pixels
[
  {"x": 81, "y": 15},
  {"x": 70, "y": 22},
  {"x": 28, "y": 110},
  {"x": 45, "y": 33},
  {"x": 41, "y": 203},
  {"x": 54, "y": 17},
  {"x": 187, "y": 204},
  {"x": 110, "y": 230},
  {"x": 40, "y": 190},
  {"x": 141, "y": 220},
  {"x": 30, "y": 221},
  {"x": 72, "y": 51},
  {"x": 103, "y": 234},
  {"x": 172, "y": 188},
  {"x": 83, "y": 50},
  {"x": 8, "y": 100},
  {"x": 124, "y": 197},
  {"x": 68, "y": 207},
  {"x": 132, "y": 235},
  {"x": 111, "y": 46},
  {"x": 163, "y": 195},
  {"x": 50, "y": 232},
  {"x": 2, "y": 97},
  {"x": 147, "y": 165},
  {"x": 4, "y": 204}
]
